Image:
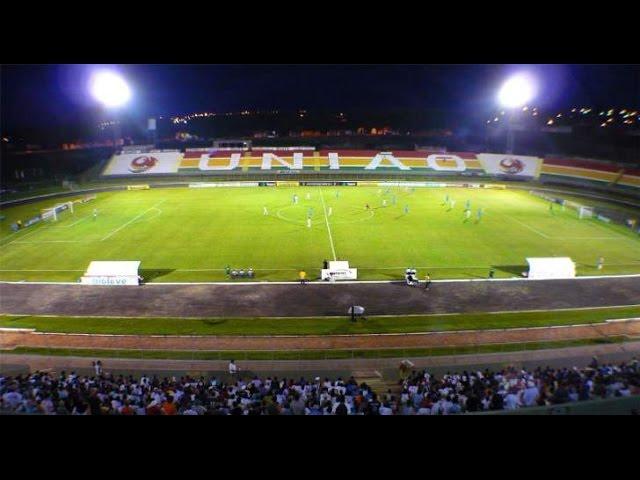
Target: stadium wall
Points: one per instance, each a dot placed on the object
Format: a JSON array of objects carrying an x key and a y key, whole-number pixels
[
  {"x": 204, "y": 162},
  {"x": 425, "y": 162},
  {"x": 172, "y": 168},
  {"x": 590, "y": 171}
]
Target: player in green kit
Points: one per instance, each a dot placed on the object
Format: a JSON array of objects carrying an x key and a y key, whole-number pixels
[
  {"x": 446, "y": 199},
  {"x": 479, "y": 215},
  {"x": 467, "y": 205},
  {"x": 406, "y": 209}
]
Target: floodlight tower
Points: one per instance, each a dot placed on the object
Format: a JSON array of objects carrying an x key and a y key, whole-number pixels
[
  {"x": 515, "y": 92},
  {"x": 112, "y": 91}
]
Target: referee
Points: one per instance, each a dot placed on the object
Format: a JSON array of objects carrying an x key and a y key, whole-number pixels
[{"x": 427, "y": 282}]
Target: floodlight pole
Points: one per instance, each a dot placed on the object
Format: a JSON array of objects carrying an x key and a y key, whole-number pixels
[
  {"x": 117, "y": 131},
  {"x": 116, "y": 134},
  {"x": 510, "y": 133}
]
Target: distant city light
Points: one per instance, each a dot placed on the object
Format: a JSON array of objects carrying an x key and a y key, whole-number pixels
[
  {"x": 517, "y": 91},
  {"x": 110, "y": 89}
]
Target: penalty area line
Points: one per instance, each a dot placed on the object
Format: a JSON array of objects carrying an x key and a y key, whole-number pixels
[
  {"x": 132, "y": 220},
  {"x": 526, "y": 226}
]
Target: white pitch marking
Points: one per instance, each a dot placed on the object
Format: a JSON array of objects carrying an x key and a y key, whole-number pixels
[
  {"x": 23, "y": 270},
  {"x": 344, "y": 282},
  {"x": 132, "y": 220},
  {"x": 74, "y": 223},
  {"x": 50, "y": 241},
  {"x": 9, "y": 236},
  {"x": 526, "y": 226},
  {"x": 22, "y": 237},
  {"x": 326, "y": 219},
  {"x": 159, "y": 212}
]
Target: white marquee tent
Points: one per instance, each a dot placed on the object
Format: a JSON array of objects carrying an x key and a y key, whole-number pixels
[
  {"x": 111, "y": 273},
  {"x": 551, "y": 268}
]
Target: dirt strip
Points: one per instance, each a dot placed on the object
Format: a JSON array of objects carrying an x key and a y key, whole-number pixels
[
  {"x": 9, "y": 340},
  {"x": 557, "y": 357},
  {"x": 294, "y": 300}
]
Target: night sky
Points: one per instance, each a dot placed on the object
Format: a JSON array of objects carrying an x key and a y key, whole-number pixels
[{"x": 39, "y": 95}]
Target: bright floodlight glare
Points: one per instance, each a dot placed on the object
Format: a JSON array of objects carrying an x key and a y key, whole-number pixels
[
  {"x": 110, "y": 89},
  {"x": 516, "y": 91}
]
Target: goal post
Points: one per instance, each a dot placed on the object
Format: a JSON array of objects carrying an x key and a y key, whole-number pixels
[
  {"x": 53, "y": 212},
  {"x": 585, "y": 212}
]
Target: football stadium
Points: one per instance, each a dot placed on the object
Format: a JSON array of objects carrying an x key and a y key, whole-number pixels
[{"x": 360, "y": 265}]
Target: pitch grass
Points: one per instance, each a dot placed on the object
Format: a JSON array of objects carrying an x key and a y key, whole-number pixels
[
  {"x": 314, "y": 354},
  {"x": 188, "y": 235},
  {"x": 315, "y": 326}
]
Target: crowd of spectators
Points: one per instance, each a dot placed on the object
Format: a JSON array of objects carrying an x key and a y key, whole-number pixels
[
  {"x": 513, "y": 388},
  {"x": 420, "y": 393}
]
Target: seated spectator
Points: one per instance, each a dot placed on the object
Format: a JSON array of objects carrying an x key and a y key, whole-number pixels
[{"x": 421, "y": 393}]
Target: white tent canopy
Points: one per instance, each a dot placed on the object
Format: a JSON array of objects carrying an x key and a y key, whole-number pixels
[
  {"x": 112, "y": 273},
  {"x": 551, "y": 268},
  {"x": 339, "y": 270}
]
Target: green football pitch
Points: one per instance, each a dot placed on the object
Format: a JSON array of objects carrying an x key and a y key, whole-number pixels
[{"x": 186, "y": 234}]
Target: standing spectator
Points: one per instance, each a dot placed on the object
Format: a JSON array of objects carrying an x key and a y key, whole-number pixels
[
  {"x": 233, "y": 368},
  {"x": 97, "y": 367},
  {"x": 421, "y": 393}
]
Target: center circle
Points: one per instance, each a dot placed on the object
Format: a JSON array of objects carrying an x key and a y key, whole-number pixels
[{"x": 364, "y": 216}]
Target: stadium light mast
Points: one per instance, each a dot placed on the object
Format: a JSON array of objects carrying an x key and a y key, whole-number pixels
[
  {"x": 112, "y": 91},
  {"x": 516, "y": 92}
]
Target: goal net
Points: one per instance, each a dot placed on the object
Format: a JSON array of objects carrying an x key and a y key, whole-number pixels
[
  {"x": 54, "y": 212},
  {"x": 585, "y": 212}
]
